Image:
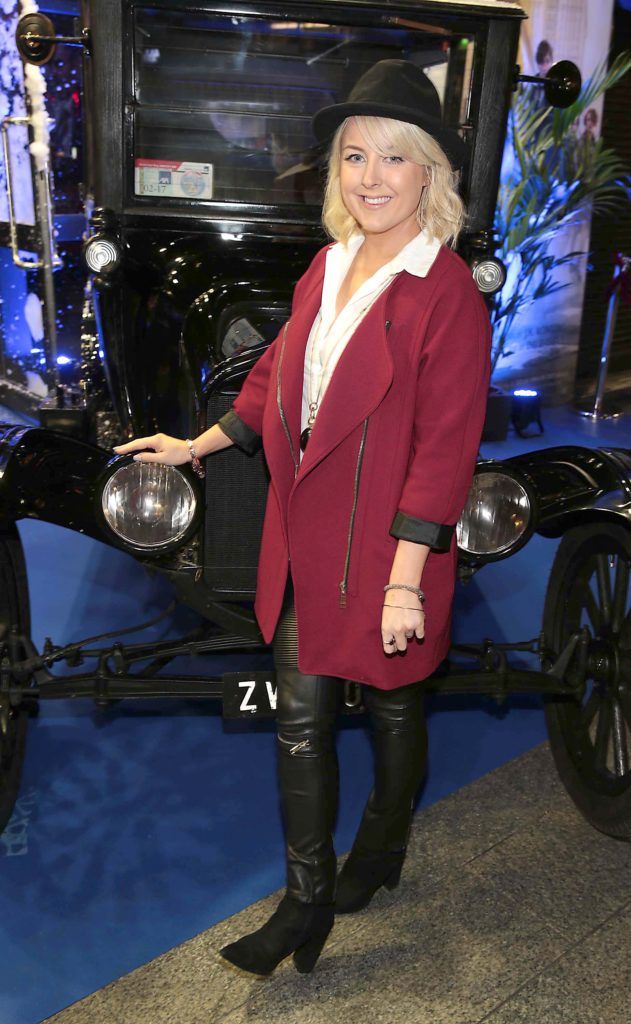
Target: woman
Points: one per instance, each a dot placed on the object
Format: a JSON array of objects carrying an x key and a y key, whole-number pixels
[{"x": 370, "y": 405}]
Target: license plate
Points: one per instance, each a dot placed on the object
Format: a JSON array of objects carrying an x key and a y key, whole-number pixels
[{"x": 249, "y": 695}]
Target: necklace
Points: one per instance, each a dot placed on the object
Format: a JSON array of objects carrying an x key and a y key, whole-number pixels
[{"x": 313, "y": 402}]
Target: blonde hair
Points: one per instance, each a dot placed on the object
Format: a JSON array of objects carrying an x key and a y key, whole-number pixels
[{"x": 441, "y": 211}]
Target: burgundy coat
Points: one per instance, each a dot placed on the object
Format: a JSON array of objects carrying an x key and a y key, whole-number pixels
[{"x": 391, "y": 456}]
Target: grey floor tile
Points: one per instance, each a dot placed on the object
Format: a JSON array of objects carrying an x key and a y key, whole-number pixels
[
  {"x": 562, "y": 870},
  {"x": 501, "y": 878},
  {"x": 590, "y": 984},
  {"x": 190, "y": 984},
  {"x": 446, "y": 959},
  {"x": 482, "y": 814}
]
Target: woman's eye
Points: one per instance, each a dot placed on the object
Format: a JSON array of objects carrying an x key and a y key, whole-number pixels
[
  {"x": 394, "y": 159},
  {"x": 353, "y": 157}
]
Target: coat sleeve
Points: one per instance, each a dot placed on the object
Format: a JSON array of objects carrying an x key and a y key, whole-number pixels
[
  {"x": 451, "y": 397},
  {"x": 243, "y": 423}
]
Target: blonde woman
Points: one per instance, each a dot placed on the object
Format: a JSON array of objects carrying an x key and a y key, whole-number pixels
[{"x": 369, "y": 406}]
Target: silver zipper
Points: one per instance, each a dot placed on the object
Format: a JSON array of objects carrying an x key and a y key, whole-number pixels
[
  {"x": 296, "y": 746},
  {"x": 351, "y": 523},
  {"x": 279, "y": 402}
]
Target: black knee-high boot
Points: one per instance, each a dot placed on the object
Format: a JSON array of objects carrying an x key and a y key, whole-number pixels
[
  {"x": 400, "y": 752},
  {"x": 308, "y": 776}
]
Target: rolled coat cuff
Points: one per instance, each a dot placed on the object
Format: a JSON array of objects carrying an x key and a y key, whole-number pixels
[
  {"x": 239, "y": 432},
  {"x": 421, "y": 531}
]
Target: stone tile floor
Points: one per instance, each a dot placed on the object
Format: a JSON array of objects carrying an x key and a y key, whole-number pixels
[{"x": 512, "y": 909}]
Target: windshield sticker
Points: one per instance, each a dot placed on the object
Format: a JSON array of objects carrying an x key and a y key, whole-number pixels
[{"x": 180, "y": 180}]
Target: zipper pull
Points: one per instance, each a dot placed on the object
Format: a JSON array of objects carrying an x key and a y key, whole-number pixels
[
  {"x": 388, "y": 325},
  {"x": 343, "y": 594},
  {"x": 299, "y": 746}
]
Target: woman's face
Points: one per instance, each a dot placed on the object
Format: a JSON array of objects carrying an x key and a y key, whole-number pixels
[{"x": 381, "y": 192}]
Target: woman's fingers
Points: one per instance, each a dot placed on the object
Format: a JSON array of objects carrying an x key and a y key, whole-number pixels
[
  {"x": 137, "y": 445},
  {"x": 149, "y": 457},
  {"x": 400, "y": 625},
  {"x": 166, "y": 450}
]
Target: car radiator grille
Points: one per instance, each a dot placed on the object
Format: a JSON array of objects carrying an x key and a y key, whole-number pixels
[{"x": 236, "y": 490}]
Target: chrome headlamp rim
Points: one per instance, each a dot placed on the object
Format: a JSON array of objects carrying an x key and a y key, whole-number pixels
[
  {"x": 504, "y": 469},
  {"x": 154, "y": 551},
  {"x": 489, "y": 274},
  {"x": 96, "y": 248}
]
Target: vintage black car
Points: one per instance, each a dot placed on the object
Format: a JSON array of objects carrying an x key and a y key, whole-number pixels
[{"x": 203, "y": 186}]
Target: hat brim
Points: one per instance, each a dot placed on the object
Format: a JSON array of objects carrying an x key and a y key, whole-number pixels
[{"x": 327, "y": 120}]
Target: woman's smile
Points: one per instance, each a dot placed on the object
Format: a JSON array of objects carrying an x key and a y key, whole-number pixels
[{"x": 376, "y": 200}]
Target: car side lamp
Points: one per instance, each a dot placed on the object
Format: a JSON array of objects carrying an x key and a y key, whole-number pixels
[
  {"x": 561, "y": 85},
  {"x": 102, "y": 254},
  {"x": 489, "y": 273}
]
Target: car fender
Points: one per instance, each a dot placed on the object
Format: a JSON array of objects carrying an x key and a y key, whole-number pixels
[
  {"x": 50, "y": 476},
  {"x": 574, "y": 484}
]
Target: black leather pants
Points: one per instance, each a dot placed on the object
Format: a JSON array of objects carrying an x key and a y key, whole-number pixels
[{"x": 308, "y": 769}]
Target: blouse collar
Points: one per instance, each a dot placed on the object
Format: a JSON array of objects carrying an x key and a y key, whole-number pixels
[{"x": 417, "y": 257}]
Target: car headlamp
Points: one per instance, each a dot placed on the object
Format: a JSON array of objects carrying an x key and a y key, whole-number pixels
[
  {"x": 148, "y": 505},
  {"x": 498, "y": 516}
]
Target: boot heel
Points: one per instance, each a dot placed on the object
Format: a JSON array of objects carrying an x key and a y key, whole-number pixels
[
  {"x": 394, "y": 877},
  {"x": 306, "y": 956}
]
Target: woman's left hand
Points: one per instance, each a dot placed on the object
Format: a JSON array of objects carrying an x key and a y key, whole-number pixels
[{"x": 401, "y": 624}]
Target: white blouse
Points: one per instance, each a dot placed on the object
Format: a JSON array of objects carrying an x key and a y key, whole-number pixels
[{"x": 329, "y": 333}]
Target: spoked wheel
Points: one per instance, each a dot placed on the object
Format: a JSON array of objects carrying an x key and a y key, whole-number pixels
[
  {"x": 589, "y": 589},
  {"x": 14, "y": 613}
]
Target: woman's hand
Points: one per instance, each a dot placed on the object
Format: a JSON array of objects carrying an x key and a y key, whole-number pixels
[
  {"x": 170, "y": 451},
  {"x": 401, "y": 623}
]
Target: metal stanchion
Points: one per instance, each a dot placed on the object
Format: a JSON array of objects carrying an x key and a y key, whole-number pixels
[{"x": 601, "y": 408}]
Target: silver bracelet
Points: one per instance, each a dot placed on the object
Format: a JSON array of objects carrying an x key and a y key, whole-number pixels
[
  {"x": 196, "y": 465},
  {"x": 406, "y": 586}
]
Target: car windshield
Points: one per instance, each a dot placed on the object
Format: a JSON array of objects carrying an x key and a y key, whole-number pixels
[{"x": 223, "y": 103}]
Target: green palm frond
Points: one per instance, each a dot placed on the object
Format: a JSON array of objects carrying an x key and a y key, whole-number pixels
[{"x": 557, "y": 180}]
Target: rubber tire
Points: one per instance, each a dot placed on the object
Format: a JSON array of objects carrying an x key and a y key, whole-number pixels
[
  {"x": 608, "y": 813},
  {"x": 14, "y": 609}
]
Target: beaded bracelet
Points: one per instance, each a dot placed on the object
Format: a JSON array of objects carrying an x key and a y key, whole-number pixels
[
  {"x": 406, "y": 586},
  {"x": 196, "y": 465}
]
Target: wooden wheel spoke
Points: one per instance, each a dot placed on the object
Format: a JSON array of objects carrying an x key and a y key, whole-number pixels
[
  {"x": 625, "y": 705},
  {"x": 591, "y": 607},
  {"x": 604, "y": 587},
  {"x": 620, "y": 594},
  {"x": 603, "y": 732},
  {"x": 590, "y": 707},
  {"x": 619, "y": 738}
]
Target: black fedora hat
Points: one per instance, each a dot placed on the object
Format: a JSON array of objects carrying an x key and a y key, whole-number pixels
[{"x": 396, "y": 89}]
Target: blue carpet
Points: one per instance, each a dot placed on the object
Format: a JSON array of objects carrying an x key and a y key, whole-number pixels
[{"x": 142, "y": 825}]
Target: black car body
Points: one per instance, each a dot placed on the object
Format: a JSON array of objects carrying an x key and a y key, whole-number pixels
[{"x": 203, "y": 209}]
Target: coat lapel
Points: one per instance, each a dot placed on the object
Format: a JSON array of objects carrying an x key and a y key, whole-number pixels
[{"x": 360, "y": 381}]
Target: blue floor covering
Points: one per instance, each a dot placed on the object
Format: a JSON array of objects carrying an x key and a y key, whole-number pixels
[{"x": 142, "y": 825}]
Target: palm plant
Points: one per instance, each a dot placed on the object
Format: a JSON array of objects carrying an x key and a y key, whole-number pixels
[{"x": 553, "y": 179}]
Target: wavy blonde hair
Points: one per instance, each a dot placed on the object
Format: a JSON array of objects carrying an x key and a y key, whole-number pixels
[{"x": 441, "y": 211}]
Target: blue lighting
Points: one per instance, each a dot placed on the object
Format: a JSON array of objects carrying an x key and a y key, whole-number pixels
[
  {"x": 525, "y": 393},
  {"x": 63, "y": 360}
]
